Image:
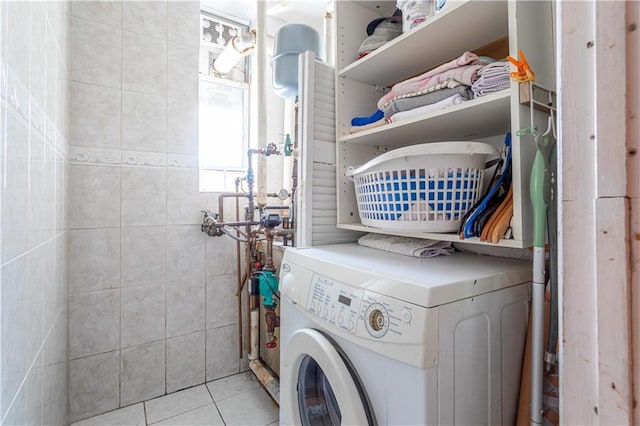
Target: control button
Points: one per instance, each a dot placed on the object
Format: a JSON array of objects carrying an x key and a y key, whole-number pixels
[
  {"x": 333, "y": 315},
  {"x": 326, "y": 312},
  {"x": 340, "y": 320},
  {"x": 313, "y": 306},
  {"x": 406, "y": 316},
  {"x": 351, "y": 325}
]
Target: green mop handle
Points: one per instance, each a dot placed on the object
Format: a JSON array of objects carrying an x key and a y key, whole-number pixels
[{"x": 537, "y": 300}]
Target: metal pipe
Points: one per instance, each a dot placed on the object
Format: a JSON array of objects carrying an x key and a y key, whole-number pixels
[
  {"x": 277, "y": 208},
  {"x": 221, "y": 198},
  {"x": 537, "y": 332}
]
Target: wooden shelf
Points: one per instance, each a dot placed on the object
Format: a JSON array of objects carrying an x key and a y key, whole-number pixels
[
  {"x": 463, "y": 25},
  {"x": 432, "y": 236},
  {"x": 474, "y": 119}
]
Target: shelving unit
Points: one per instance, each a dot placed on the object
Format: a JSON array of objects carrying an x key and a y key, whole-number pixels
[{"x": 469, "y": 25}]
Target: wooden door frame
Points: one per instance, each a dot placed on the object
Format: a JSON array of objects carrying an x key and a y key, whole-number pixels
[{"x": 595, "y": 211}]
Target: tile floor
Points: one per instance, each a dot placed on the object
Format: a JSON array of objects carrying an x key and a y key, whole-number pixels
[{"x": 233, "y": 400}]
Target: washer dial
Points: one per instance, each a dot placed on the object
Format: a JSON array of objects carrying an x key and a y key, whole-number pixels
[{"x": 376, "y": 320}]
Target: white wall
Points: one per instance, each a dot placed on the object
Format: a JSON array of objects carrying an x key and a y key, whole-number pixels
[
  {"x": 152, "y": 299},
  {"x": 34, "y": 128}
]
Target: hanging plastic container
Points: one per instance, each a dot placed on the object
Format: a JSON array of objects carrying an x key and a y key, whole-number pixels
[{"x": 290, "y": 41}]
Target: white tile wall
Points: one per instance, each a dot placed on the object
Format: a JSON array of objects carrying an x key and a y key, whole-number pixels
[
  {"x": 222, "y": 304},
  {"x": 222, "y": 352},
  {"x": 145, "y": 17},
  {"x": 144, "y": 63},
  {"x": 185, "y": 307},
  {"x": 143, "y": 314},
  {"x": 185, "y": 361},
  {"x": 144, "y": 196},
  {"x": 95, "y": 53},
  {"x": 94, "y": 323},
  {"x": 106, "y": 12},
  {"x": 144, "y": 121},
  {"x": 143, "y": 255},
  {"x": 97, "y": 113},
  {"x": 142, "y": 374},
  {"x": 94, "y": 197},
  {"x": 185, "y": 252},
  {"x": 182, "y": 126},
  {"x": 94, "y": 259},
  {"x": 183, "y": 72},
  {"x": 134, "y": 211},
  {"x": 94, "y": 384},
  {"x": 34, "y": 134}
]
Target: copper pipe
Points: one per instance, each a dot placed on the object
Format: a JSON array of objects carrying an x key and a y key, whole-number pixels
[
  {"x": 244, "y": 223},
  {"x": 268, "y": 263},
  {"x": 221, "y": 198},
  {"x": 239, "y": 284}
]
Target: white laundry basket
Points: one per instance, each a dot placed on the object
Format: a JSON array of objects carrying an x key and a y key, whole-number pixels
[{"x": 424, "y": 188}]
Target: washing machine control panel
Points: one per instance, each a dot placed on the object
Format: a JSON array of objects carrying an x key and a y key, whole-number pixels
[{"x": 334, "y": 302}]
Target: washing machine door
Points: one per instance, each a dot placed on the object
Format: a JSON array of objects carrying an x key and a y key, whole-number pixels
[{"x": 328, "y": 391}]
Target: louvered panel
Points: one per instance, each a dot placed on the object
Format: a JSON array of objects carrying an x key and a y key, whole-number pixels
[
  {"x": 323, "y": 190},
  {"x": 316, "y": 197},
  {"x": 324, "y": 132},
  {"x": 322, "y": 100},
  {"x": 326, "y": 183},
  {"x": 322, "y": 213}
]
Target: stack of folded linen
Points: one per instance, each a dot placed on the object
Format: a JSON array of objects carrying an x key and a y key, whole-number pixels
[
  {"x": 450, "y": 81},
  {"x": 492, "y": 78}
]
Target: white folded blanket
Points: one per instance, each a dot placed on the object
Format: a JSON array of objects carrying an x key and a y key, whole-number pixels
[
  {"x": 445, "y": 103},
  {"x": 414, "y": 247}
]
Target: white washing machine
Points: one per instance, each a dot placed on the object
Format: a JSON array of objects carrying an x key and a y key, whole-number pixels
[{"x": 369, "y": 337}]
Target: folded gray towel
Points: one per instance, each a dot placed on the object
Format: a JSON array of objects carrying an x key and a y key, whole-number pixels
[
  {"x": 406, "y": 104},
  {"x": 414, "y": 247}
]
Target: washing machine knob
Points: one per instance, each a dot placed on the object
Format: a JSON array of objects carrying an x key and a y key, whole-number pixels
[
  {"x": 340, "y": 320},
  {"x": 376, "y": 320}
]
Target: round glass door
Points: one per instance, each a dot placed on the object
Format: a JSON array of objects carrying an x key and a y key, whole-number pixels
[
  {"x": 318, "y": 384},
  {"x": 316, "y": 400}
]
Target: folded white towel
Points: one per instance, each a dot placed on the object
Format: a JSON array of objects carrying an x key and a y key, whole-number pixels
[
  {"x": 492, "y": 78},
  {"x": 414, "y": 247},
  {"x": 445, "y": 103}
]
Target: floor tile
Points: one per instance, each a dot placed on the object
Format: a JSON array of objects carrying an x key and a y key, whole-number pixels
[
  {"x": 177, "y": 403},
  {"x": 131, "y": 415},
  {"x": 254, "y": 407},
  {"x": 231, "y": 386},
  {"x": 207, "y": 415}
]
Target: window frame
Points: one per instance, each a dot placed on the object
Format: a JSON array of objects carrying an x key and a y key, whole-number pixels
[{"x": 245, "y": 86}]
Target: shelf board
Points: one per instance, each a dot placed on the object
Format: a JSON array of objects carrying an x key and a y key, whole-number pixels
[
  {"x": 431, "y": 236},
  {"x": 485, "y": 116},
  {"x": 462, "y": 25}
]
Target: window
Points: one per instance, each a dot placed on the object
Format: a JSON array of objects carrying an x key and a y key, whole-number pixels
[{"x": 224, "y": 108}]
